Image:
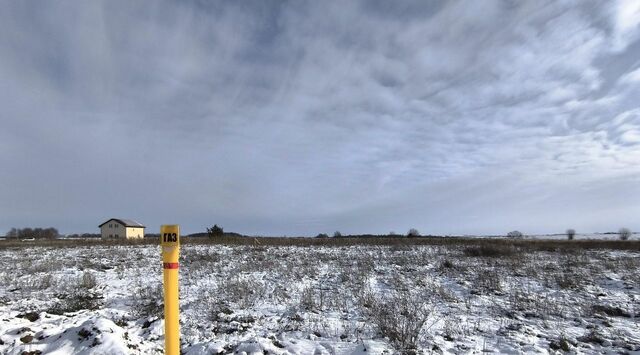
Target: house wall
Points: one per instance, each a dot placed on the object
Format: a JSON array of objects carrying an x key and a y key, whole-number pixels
[
  {"x": 113, "y": 229},
  {"x": 134, "y": 232}
]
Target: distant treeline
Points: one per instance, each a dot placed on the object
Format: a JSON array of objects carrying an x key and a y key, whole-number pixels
[
  {"x": 215, "y": 232},
  {"x": 45, "y": 233},
  {"x": 206, "y": 235},
  {"x": 390, "y": 235},
  {"x": 35, "y": 233},
  {"x": 84, "y": 235}
]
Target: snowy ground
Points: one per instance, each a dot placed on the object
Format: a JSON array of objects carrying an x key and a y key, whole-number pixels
[{"x": 366, "y": 299}]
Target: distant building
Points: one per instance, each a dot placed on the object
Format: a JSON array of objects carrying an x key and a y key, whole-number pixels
[{"x": 121, "y": 228}]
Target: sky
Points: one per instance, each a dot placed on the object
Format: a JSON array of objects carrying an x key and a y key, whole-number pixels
[{"x": 304, "y": 117}]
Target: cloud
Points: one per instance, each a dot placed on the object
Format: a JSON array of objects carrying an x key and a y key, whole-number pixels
[
  {"x": 626, "y": 23},
  {"x": 295, "y": 118}
]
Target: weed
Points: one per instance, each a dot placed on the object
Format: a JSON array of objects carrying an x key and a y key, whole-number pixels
[
  {"x": 489, "y": 251},
  {"x": 400, "y": 318},
  {"x": 148, "y": 301}
]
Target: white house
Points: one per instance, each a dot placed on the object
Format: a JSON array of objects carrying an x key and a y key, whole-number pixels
[{"x": 121, "y": 228}]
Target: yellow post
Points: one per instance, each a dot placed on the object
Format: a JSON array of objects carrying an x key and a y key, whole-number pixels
[{"x": 170, "y": 242}]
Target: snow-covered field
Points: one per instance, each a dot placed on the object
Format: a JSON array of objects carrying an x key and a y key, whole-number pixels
[{"x": 363, "y": 299}]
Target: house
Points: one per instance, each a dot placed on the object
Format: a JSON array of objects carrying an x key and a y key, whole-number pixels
[{"x": 121, "y": 228}]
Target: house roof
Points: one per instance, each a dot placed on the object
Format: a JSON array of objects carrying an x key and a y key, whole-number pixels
[{"x": 126, "y": 222}]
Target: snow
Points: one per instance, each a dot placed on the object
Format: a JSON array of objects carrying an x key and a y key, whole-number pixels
[{"x": 320, "y": 300}]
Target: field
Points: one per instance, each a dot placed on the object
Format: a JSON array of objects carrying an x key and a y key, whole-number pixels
[{"x": 314, "y": 296}]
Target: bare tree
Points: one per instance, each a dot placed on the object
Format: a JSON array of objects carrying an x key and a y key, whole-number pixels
[
  {"x": 625, "y": 233},
  {"x": 13, "y": 233},
  {"x": 25, "y": 233},
  {"x": 413, "y": 233},
  {"x": 337, "y": 234},
  {"x": 571, "y": 233}
]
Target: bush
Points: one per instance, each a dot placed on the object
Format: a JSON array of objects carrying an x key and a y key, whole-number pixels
[
  {"x": 625, "y": 233},
  {"x": 490, "y": 251},
  {"x": 148, "y": 301},
  {"x": 76, "y": 301},
  {"x": 87, "y": 280},
  {"x": 215, "y": 231},
  {"x": 85, "y": 294},
  {"x": 515, "y": 234},
  {"x": 487, "y": 281},
  {"x": 307, "y": 299},
  {"x": 571, "y": 233},
  {"x": 244, "y": 292},
  {"x": 400, "y": 318},
  {"x": 447, "y": 264}
]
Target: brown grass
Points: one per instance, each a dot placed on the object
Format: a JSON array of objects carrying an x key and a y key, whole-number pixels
[{"x": 485, "y": 244}]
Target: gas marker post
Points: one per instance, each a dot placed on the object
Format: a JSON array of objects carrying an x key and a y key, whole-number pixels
[{"x": 170, "y": 242}]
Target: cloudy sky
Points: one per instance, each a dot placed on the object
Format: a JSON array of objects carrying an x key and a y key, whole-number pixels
[{"x": 301, "y": 117}]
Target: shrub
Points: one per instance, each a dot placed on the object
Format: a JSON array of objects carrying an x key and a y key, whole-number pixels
[
  {"x": 447, "y": 264},
  {"x": 85, "y": 294},
  {"x": 244, "y": 292},
  {"x": 489, "y": 251},
  {"x": 487, "y": 281},
  {"x": 560, "y": 344},
  {"x": 215, "y": 231},
  {"x": 571, "y": 233},
  {"x": 592, "y": 336},
  {"x": 87, "y": 280},
  {"x": 148, "y": 301},
  {"x": 515, "y": 234},
  {"x": 568, "y": 280},
  {"x": 624, "y": 233},
  {"x": 307, "y": 299},
  {"x": 76, "y": 301},
  {"x": 400, "y": 318}
]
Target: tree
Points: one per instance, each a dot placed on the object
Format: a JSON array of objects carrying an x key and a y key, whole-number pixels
[
  {"x": 13, "y": 233},
  {"x": 337, "y": 234},
  {"x": 413, "y": 233},
  {"x": 571, "y": 233},
  {"x": 322, "y": 235},
  {"x": 215, "y": 231},
  {"x": 515, "y": 234},
  {"x": 625, "y": 233},
  {"x": 25, "y": 233},
  {"x": 49, "y": 233},
  {"x": 35, "y": 233}
]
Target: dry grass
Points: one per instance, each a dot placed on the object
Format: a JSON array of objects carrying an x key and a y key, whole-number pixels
[
  {"x": 353, "y": 289},
  {"x": 486, "y": 245}
]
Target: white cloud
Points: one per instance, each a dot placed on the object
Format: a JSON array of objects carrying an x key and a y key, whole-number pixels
[
  {"x": 626, "y": 23},
  {"x": 303, "y": 114}
]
